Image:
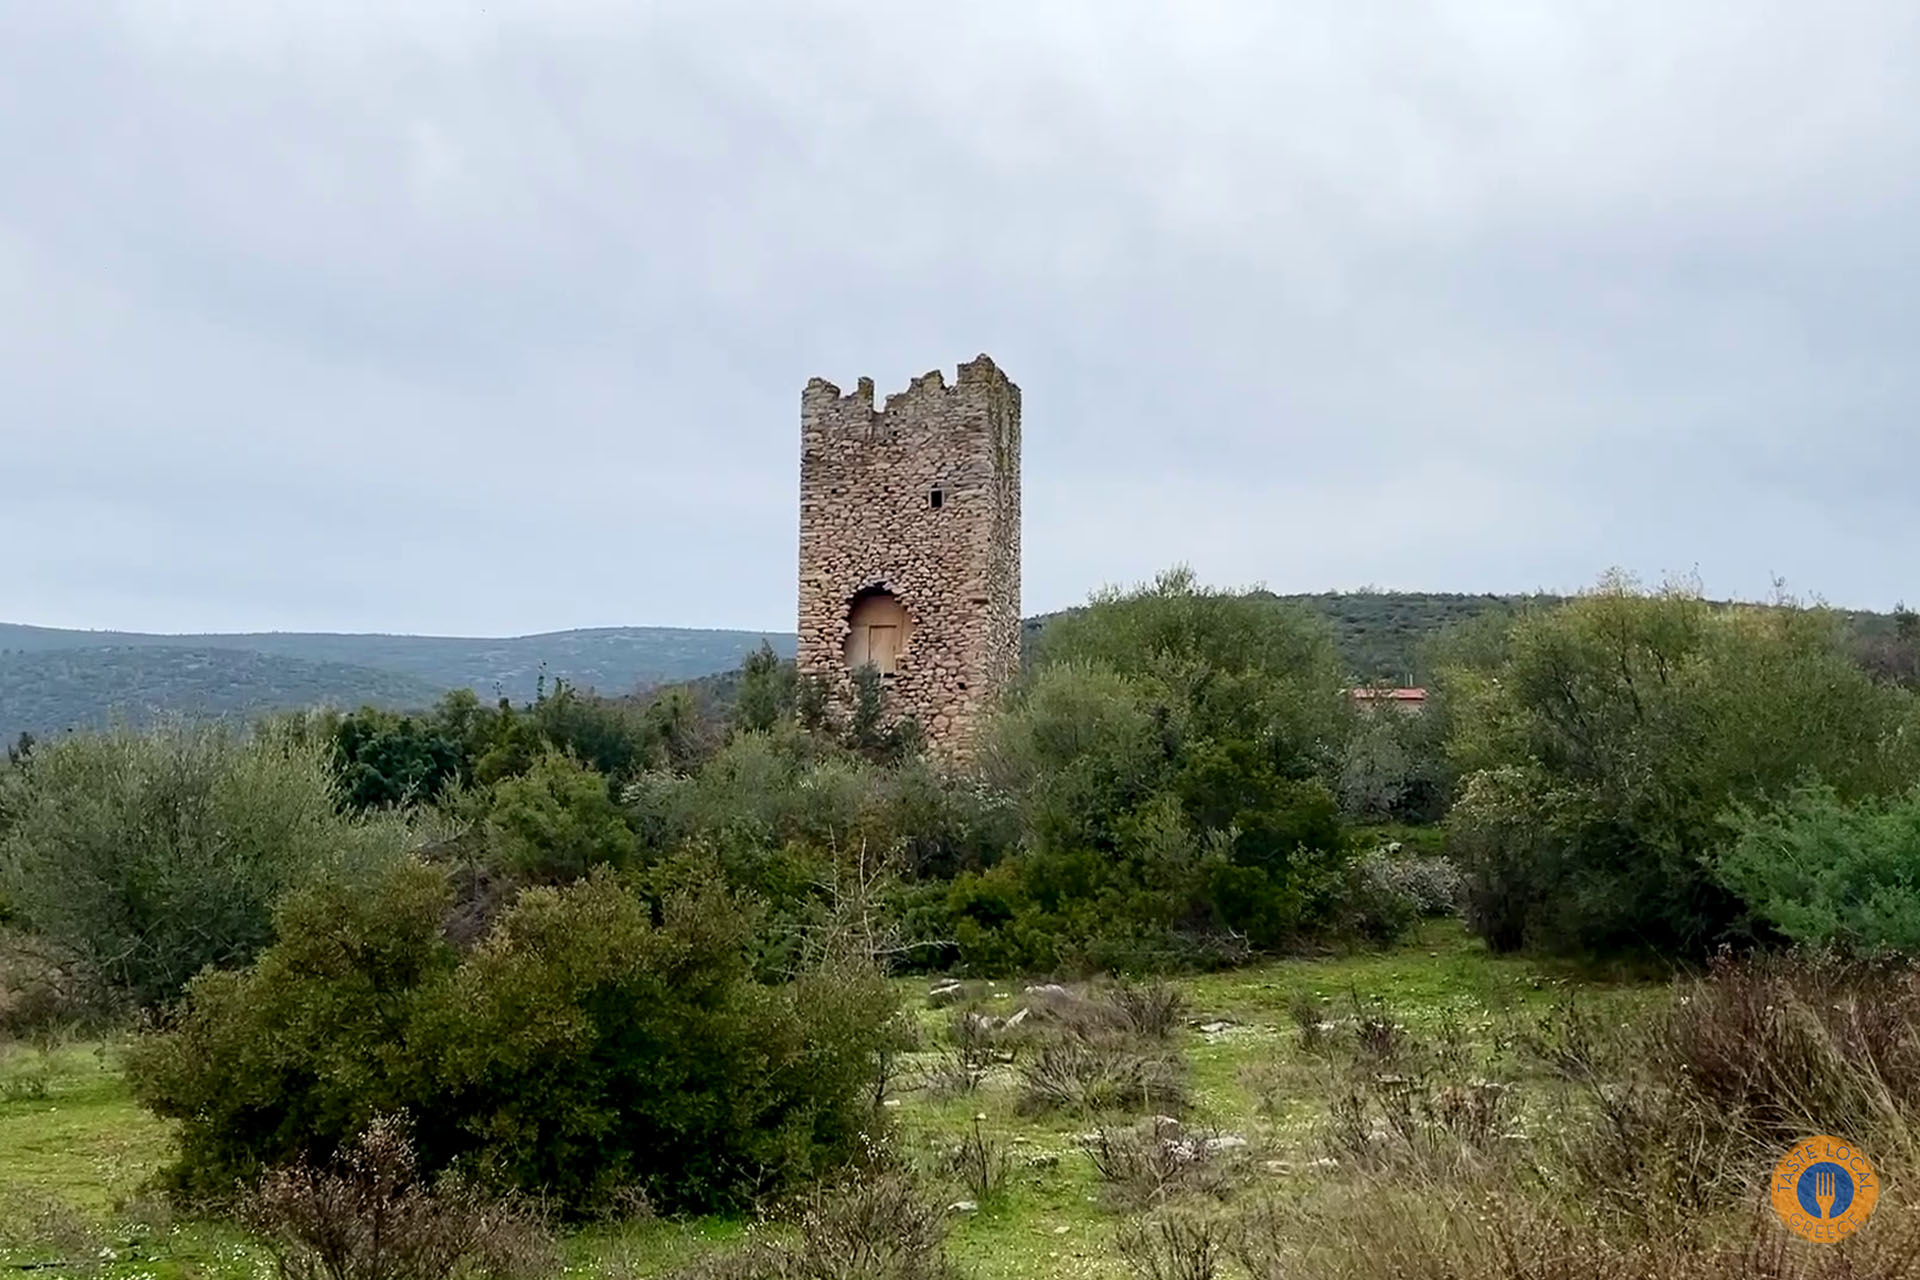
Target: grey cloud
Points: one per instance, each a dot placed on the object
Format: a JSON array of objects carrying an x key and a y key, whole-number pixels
[{"x": 493, "y": 317}]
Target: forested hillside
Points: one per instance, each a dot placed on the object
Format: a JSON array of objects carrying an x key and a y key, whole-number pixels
[
  {"x": 53, "y": 679},
  {"x": 611, "y": 659},
  {"x": 48, "y": 691}
]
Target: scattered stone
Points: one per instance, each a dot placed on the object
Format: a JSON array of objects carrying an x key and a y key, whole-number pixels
[
  {"x": 1276, "y": 1166},
  {"x": 891, "y": 1102},
  {"x": 1017, "y": 1018},
  {"x": 1215, "y": 1028},
  {"x": 1225, "y": 1142},
  {"x": 945, "y": 994},
  {"x": 964, "y": 1206}
]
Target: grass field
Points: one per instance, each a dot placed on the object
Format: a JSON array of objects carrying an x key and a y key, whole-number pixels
[{"x": 77, "y": 1153}]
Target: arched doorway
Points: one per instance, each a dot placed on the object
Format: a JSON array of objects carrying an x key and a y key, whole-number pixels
[{"x": 878, "y": 629}]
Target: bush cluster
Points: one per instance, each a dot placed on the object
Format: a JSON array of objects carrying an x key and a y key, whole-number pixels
[
  {"x": 1608, "y": 740},
  {"x": 1168, "y": 759},
  {"x": 148, "y": 856},
  {"x": 593, "y": 1044},
  {"x": 1825, "y": 872}
]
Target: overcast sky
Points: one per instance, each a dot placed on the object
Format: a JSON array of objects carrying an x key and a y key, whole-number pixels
[{"x": 492, "y": 317}]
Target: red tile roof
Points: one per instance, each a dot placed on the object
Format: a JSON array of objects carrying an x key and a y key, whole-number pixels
[{"x": 1397, "y": 695}]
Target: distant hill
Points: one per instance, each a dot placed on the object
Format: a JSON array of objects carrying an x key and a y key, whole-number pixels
[
  {"x": 1380, "y": 633},
  {"x": 611, "y": 659},
  {"x": 52, "y": 679},
  {"x": 48, "y": 691}
]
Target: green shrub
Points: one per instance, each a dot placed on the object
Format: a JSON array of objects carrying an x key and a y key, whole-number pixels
[
  {"x": 583, "y": 1050},
  {"x": 291, "y": 1059},
  {"x": 773, "y": 787},
  {"x": 1168, "y": 897},
  {"x": 1614, "y": 732},
  {"x": 556, "y": 822},
  {"x": 1823, "y": 871},
  {"x": 1166, "y": 757},
  {"x": 152, "y": 855},
  {"x": 385, "y": 759},
  {"x": 768, "y": 691}
]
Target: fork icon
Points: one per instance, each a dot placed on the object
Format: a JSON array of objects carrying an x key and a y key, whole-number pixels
[{"x": 1823, "y": 1191}]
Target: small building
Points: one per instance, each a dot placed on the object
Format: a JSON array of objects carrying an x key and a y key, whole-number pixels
[{"x": 1404, "y": 699}]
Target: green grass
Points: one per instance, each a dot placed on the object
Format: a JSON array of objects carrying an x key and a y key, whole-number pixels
[
  {"x": 76, "y": 1152},
  {"x": 69, "y": 1128},
  {"x": 76, "y": 1157}
]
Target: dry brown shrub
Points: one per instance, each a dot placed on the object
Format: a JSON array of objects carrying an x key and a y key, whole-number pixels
[
  {"x": 46, "y": 992},
  {"x": 370, "y": 1216},
  {"x": 39, "y": 1222},
  {"x": 1685, "y": 1108},
  {"x": 1408, "y": 1233},
  {"x": 1176, "y": 1244},
  {"x": 980, "y": 1162},
  {"x": 875, "y": 1225},
  {"x": 1085, "y": 1078},
  {"x": 1109, "y": 1048},
  {"x": 1158, "y": 1161},
  {"x": 1112, "y": 1010}
]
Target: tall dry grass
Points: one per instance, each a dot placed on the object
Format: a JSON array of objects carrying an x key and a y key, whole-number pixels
[{"x": 1645, "y": 1144}]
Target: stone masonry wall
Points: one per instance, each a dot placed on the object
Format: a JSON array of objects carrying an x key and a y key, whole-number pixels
[{"x": 867, "y": 521}]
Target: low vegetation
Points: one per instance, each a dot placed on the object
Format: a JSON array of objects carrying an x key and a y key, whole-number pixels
[
  {"x": 1445, "y": 1112},
  {"x": 145, "y": 857},
  {"x": 593, "y": 1045},
  {"x": 1202, "y": 971}
]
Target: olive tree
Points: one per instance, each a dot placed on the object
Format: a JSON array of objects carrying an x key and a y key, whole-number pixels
[{"x": 150, "y": 855}]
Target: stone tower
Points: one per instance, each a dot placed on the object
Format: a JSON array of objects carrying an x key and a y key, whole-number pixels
[{"x": 910, "y": 545}]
